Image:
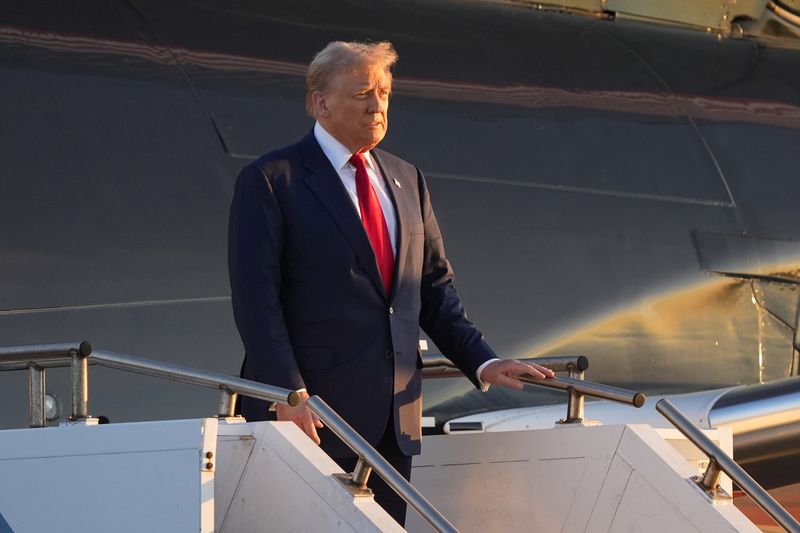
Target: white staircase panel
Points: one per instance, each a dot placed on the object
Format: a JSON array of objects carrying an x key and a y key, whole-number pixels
[
  {"x": 568, "y": 479},
  {"x": 287, "y": 485},
  {"x": 100, "y": 478}
]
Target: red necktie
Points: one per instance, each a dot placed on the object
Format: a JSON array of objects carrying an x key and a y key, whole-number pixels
[{"x": 374, "y": 222}]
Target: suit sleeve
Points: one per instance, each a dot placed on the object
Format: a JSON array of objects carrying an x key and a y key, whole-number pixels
[
  {"x": 255, "y": 250},
  {"x": 442, "y": 316}
]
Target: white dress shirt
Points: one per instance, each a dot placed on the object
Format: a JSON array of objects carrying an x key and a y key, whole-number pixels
[{"x": 339, "y": 156}]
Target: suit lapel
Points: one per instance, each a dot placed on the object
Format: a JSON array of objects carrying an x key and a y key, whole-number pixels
[
  {"x": 391, "y": 175},
  {"x": 326, "y": 185}
]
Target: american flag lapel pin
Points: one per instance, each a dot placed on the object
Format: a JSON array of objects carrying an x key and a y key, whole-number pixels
[{"x": 397, "y": 183}]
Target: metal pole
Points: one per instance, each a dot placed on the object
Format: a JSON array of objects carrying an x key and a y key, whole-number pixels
[
  {"x": 439, "y": 366},
  {"x": 575, "y": 372},
  {"x": 575, "y": 403},
  {"x": 186, "y": 374},
  {"x": 392, "y": 478},
  {"x": 574, "y": 407},
  {"x": 727, "y": 465},
  {"x": 80, "y": 386},
  {"x": 44, "y": 355},
  {"x": 361, "y": 473},
  {"x": 227, "y": 403},
  {"x": 36, "y": 386},
  {"x": 710, "y": 479},
  {"x": 588, "y": 388}
]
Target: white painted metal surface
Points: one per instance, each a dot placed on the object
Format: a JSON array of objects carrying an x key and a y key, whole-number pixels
[
  {"x": 272, "y": 477},
  {"x": 176, "y": 476},
  {"x": 207, "y": 462},
  {"x": 575, "y": 478},
  {"x": 209, "y": 475},
  {"x": 100, "y": 478}
]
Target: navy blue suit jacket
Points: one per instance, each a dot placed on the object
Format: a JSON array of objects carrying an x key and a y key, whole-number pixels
[{"x": 308, "y": 299}]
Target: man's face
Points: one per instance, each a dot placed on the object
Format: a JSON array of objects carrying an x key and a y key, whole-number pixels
[{"x": 354, "y": 107}]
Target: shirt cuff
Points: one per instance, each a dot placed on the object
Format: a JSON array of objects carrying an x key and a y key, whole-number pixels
[{"x": 484, "y": 386}]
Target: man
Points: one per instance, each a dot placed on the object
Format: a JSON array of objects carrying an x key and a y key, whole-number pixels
[{"x": 336, "y": 261}]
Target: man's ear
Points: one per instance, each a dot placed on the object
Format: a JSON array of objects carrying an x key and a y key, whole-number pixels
[{"x": 320, "y": 104}]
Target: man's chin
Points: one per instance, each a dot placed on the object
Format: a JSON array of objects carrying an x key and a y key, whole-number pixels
[
  {"x": 371, "y": 143},
  {"x": 376, "y": 139}
]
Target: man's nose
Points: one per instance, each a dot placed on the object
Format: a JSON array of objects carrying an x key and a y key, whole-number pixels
[{"x": 376, "y": 103}]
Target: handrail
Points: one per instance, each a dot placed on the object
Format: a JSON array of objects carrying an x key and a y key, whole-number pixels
[
  {"x": 328, "y": 416},
  {"x": 719, "y": 462},
  {"x": 368, "y": 454},
  {"x": 193, "y": 376},
  {"x": 80, "y": 355},
  {"x": 588, "y": 388},
  {"x": 438, "y": 366},
  {"x": 64, "y": 354},
  {"x": 45, "y": 355}
]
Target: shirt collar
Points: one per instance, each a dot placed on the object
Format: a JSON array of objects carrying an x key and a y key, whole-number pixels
[{"x": 337, "y": 153}]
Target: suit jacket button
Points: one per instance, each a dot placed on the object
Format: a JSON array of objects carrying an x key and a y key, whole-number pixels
[
  {"x": 388, "y": 354},
  {"x": 391, "y": 310}
]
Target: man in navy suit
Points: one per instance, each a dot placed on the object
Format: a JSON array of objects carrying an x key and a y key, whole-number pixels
[{"x": 336, "y": 261}]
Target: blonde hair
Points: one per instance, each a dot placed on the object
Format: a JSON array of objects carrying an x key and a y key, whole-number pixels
[{"x": 340, "y": 56}]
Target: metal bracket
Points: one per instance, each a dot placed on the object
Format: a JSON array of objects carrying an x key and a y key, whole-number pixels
[
  {"x": 717, "y": 496},
  {"x": 575, "y": 400},
  {"x": 574, "y": 407},
  {"x": 238, "y": 419},
  {"x": 227, "y": 403},
  {"x": 80, "y": 386},
  {"x": 36, "y": 394},
  {"x": 709, "y": 481},
  {"x": 356, "y": 490},
  {"x": 88, "y": 421},
  {"x": 356, "y": 482}
]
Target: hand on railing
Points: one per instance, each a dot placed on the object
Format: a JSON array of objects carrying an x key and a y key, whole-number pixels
[
  {"x": 301, "y": 415},
  {"x": 504, "y": 372},
  {"x": 514, "y": 373}
]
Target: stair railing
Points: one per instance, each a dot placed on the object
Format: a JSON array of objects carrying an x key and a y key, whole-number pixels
[
  {"x": 576, "y": 387},
  {"x": 718, "y": 462},
  {"x": 78, "y": 356}
]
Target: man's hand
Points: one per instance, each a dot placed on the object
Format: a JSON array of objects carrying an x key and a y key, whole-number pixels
[
  {"x": 301, "y": 415},
  {"x": 505, "y": 372}
]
